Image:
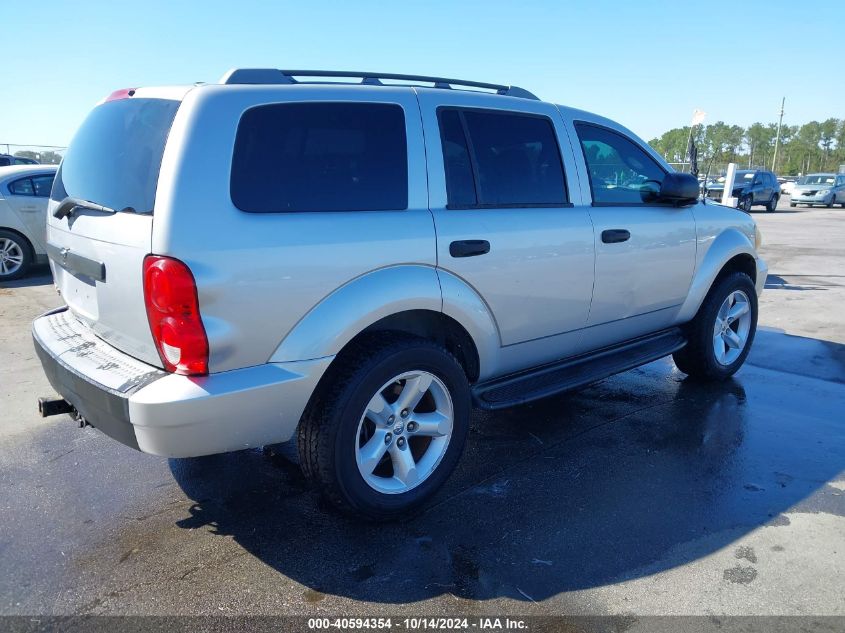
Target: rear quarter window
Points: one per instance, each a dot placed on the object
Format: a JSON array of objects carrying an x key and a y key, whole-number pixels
[{"x": 291, "y": 157}]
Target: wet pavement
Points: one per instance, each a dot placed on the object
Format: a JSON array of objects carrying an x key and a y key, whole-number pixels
[{"x": 646, "y": 493}]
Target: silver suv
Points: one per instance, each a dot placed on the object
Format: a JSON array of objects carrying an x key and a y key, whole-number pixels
[{"x": 358, "y": 265}]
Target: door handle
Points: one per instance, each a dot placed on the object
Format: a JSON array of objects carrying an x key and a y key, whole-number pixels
[
  {"x": 613, "y": 236},
  {"x": 28, "y": 209},
  {"x": 469, "y": 248}
]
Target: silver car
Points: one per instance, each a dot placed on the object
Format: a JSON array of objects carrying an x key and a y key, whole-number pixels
[
  {"x": 357, "y": 265},
  {"x": 819, "y": 189},
  {"x": 24, "y": 192}
]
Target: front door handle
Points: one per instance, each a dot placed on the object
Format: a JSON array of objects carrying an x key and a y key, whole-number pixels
[
  {"x": 613, "y": 236},
  {"x": 469, "y": 248}
]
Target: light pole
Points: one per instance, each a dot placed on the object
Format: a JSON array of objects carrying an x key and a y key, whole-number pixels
[
  {"x": 777, "y": 135},
  {"x": 697, "y": 118}
]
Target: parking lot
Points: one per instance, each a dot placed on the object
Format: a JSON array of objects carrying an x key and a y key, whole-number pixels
[{"x": 644, "y": 494}]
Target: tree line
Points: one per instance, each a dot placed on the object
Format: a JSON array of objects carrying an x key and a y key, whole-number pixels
[
  {"x": 811, "y": 147},
  {"x": 45, "y": 158}
]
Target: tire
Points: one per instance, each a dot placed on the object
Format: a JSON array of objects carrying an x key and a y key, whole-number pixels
[
  {"x": 745, "y": 204},
  {"x": 792, "y": 204},
  {"x": 773, "y": 203},
  {"x": 340, "y": 423},
  {"x": 15, "y": 255},
  {"x": 832, "y": 202},
  {"x": 699, "y": 358}
]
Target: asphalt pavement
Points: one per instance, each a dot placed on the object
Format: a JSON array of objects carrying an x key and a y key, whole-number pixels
[{"x": 644, "y": 494}]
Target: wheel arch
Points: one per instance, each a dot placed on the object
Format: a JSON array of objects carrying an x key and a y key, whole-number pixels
[
  {"x": 400, "y": 299},
  {"x": 731, "y": 251},
  {"x": 22, "y": 235}
]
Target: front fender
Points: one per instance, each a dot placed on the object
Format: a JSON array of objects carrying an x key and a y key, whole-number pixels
[
  {"x": 343, "y": 314},
  {"x": 727, "y": 244}
]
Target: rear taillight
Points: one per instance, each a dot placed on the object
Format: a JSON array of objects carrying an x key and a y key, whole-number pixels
[{"x": 170, "y": 294}]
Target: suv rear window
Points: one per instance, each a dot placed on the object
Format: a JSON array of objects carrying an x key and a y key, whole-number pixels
[
  {"x": 115, "y": 157},
  {"x": 292, "y": 157}
]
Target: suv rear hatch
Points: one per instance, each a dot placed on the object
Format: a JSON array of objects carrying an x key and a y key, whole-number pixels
[{"x": 106, "y": 186}]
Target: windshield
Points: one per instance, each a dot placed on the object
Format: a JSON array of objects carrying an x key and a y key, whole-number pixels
[
  {"x": 817, "y": 179},
  {"x": 741, "y": 177},
  {"x": 115, "y": 157}
]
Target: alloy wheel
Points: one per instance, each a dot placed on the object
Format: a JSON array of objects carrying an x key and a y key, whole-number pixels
[
  {"x": 404, "y": 432},
  {"x": 731, "y": 328},
  {"x": 11, "y": 257}
]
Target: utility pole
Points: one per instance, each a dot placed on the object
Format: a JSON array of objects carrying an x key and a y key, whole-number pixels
[{"x": 777, "y": 136}]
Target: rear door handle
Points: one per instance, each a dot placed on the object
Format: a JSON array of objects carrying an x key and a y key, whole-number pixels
[
  {"x": 469, "y": 248},
  {"x": 613, "y": 236}
]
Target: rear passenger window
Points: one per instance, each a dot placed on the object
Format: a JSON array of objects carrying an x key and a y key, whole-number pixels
[
  {"x": 320, "y": 157},
  {"x": 22, "y": 187},
  {"x": 42, "y": 185},
  {"x": 460, "y": 185},
  {"x": 500, "y": 159},
  {"x": 621, "y": 172}
]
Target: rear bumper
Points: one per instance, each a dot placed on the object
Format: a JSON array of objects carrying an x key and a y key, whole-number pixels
[
  {"x": 167, "y": 414},
  {"x": 100, "y": 406}
]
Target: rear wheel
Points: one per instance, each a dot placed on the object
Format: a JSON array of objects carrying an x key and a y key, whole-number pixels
[
  {"x": 773, "y": 203},
  {"x": 720, "y": 336},
  {"x": 15, "y": 256},
  {"x": 387, "y": 426}
]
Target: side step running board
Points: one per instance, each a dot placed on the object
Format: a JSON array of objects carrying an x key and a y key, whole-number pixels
[{"x": 575, "y": 372}]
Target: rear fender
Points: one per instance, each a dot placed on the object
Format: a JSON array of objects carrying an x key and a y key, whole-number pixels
[{"x": 350, "y": 309}]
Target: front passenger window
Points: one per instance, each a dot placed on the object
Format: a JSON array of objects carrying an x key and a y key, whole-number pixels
[{"x": 620, "y": 171}]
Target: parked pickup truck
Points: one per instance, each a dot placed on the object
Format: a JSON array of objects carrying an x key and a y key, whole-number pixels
[{"x": 358, "y": 265}]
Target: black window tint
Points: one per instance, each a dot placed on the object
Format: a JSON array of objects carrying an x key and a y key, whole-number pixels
[
  {"x": 621, "y": 172},
  {"x": 320, "y": 157},
  {"x": 42, "y": 185},
  {"x": 22, "y": 187},
  {"x": 460, "y": 186},
  {"x": 516, "y": 158}
]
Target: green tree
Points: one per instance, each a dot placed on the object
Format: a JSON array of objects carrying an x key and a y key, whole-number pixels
[
  {"x": 760, "y": 139},
  {"x": 827, "y": 135}
]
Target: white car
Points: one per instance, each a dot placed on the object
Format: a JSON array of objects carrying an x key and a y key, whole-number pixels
[
  {"x": 787, "y": 186},
  {"x": 24, "y": 193}
]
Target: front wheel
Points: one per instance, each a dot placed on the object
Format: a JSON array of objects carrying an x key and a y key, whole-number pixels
[
  {"x": 720, "y": 336},
  {"x": 386, "y": 427},
  {"x": 745, "y": 204},
  {"x": 832, "y": 202}
]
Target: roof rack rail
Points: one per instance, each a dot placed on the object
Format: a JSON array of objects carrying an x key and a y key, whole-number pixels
[{"x": 278, "y": 76}]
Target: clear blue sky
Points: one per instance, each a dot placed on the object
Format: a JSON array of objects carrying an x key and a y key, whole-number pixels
[{"x": 645, "y": 63}]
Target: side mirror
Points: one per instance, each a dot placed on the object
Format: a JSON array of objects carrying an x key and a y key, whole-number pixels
[{"x": 679, "y": 188}]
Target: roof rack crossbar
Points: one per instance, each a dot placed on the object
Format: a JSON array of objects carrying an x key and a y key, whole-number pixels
[{"x": 277, "y": 76}]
